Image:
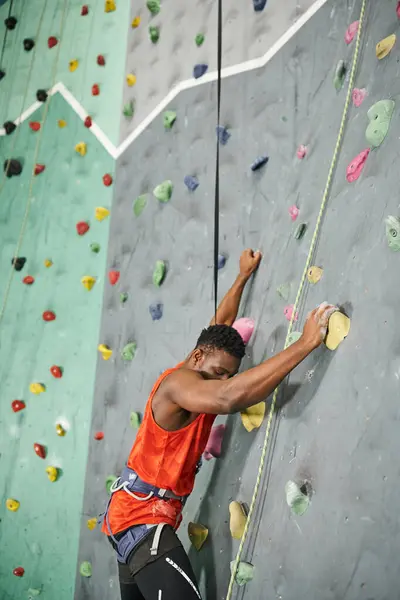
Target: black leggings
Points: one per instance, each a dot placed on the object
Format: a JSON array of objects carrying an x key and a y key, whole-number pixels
[{"x": 170, "y": 577}]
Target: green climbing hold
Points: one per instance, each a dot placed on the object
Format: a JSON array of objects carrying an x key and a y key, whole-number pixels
[
  {"x": 284, "y": 291},
  {"x": 244, "y": 572},
  {"x": 129, "y": 351},
  {"x": 297, "y": 498},
  {"x": 95, "y": 247},
  {"x": 123, "y": 297},
  {"x": 294, "y": 336},
  {"x": 199, "y": 39},
  {"x": 159, "y": 273},
  {"x": 85, "y": 569},
  {"x": 163, "y": 192},
  {"x": 300, "y": 231},
  {"x": 379, "y": 117},
  {"x": 33, "y": 593},
  {"x": 154, "y": 33},
  {"x": 139, "y": 205},
  {"x": 284, "y": 119},
  {"x": 169, "y": 118},
  {"x": 340, "y": 74},
  {"x": 135, "y": 420},
  {"x": 154, "y": 6},
  {"x": 109, "y": 481},
  {"x": 129, "y": 109},
  {"x": 393, "y": 232}
]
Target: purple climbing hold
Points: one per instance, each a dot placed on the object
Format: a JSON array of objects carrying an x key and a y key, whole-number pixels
[
  {"x": 259, "y": 162},
  {"x": 199, "y": 70},
  {"x": 259, "y": 5},
  {"x": 156, "y": 311},
  {"x": 191, "y": 182},
  {"x": 221, "y": 261},
  {"x": 223, "y": 134},
  {"x": 214, "y": 444}
]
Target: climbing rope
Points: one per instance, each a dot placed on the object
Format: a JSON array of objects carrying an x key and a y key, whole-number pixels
[
  {"x": 216, "y": 202},
  {"x": 300, "y": 291}
]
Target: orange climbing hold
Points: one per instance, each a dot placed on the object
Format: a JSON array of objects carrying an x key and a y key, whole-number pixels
[
  {"x": 107, "y": 179},
  {"x": 39, "y": 169},
  {"x": 113, "y": 277},
  {"x": 99, "y": 435},
  {"x": 82, "y": 227},
  {"x": 34, "y": 125},
  {"x": 28, "y": 280}
]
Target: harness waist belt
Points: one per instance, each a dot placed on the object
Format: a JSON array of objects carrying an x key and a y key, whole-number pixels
[{"x": 131, "y": 482}]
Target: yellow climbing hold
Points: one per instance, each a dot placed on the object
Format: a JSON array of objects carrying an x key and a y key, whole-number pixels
[
  {"x": 338, "y": 329},
  {"x": 131, "y": 79},
  {"x": 238, "y": 519},
  {"x": 48, "y": 263},
  {"x": 73, "y": 65},
  {"x": 60, "y": 431},
  {"x": 197, "y": 534},
  {"x": 37, "y": 388},
  {"x": 91, "y": 523},
  {"x": 136, "y": 22},
  {"x": 88, "y": 282},
  {"x": 253, "y": 416},
  {"x": 106, "y": 352},
  {"x": 109, "y": 6},
  {"x": 52, "y": 473},
  {"x": 101, "y": 213},
  {"x": 384, "y": 47},
  {"x": 81, "y": 148},
  {"x": 12, "y": 504},
  {"x": 314, "y": 274}
]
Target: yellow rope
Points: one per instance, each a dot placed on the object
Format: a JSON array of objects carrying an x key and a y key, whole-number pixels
[{"x": 299, "y": 292}]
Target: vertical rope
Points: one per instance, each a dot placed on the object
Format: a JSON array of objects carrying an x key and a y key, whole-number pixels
[{"x": 216, "y": 201}]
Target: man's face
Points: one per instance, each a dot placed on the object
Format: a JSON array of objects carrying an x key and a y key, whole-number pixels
[{"x": 216, "y": 364}]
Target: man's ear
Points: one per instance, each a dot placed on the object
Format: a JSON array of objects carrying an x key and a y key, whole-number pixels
[{"x": 197, "y": 357}]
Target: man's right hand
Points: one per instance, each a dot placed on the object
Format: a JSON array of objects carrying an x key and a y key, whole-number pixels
[{"x": 316, "y": 325}]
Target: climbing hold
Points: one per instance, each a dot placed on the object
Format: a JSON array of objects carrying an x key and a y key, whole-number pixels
[
  {"x": 17, "y": 405},
  {"x": 52, "y": 474},
  {"x": 314, "y": 274},
  {"x": 113, "y": 277},
  {"x": 40, "y": 450},
  {"x": 41, "y": 95},
  {"x": 105, "y": 351},
  {"x": 197, "y": 534},
  {"x": 253, "y": 416},
  {"x": 37, "y": 388},
  {"x": 393, "y": 232},
  {"x": 29, "y": 44},
  {"x": 284, "y": 291},
  {"x": 101, "y": 61},
  {"x": 136, "y": 22},
  {"x": 156, "y": 311},
  {"x": 95, "y": 89},
  {"x": 191, "y": 182},
  {"x": 34, "y": 125},
  {"x": 61, "y": 123},
  {"x": 48, "y": 263},
  {"x": 288, "y": 312},
  {"x": 60, "y": 431},
  {"x": 293, "y": 212},
  {"x": 56, "y": 371},
  {"x": 294, "y": 336},
  {"x": 98, "y": 436},
  {"x": 163, "y": 192},
  {"x": 131, "y": 79},
  {"x": 82, "y": 227},
  {"x": 338, "y": 329},
  {"x": 12, "y": 505},
  {"x": 84, "y": 10},
  {"x": 107, "y": 180},
  {"x": 95, "y": 247},
  {"x": 199, "y": 39},
  {"x": 139, "y": 205},
  {"x": 259, "y": 162},
  {"x": 19, "y": 572},
  {"x": 10, "y": 23},
  {"x": 237, "y": 520},
  {"x": 221, "y": 261},
  {"x": 384, "y": 47},
  {"x": 73, "y": 65},
  {"x": 169, "y": 118},
  {"x": 101, "y": 213},
  {"x": 297, "y": 500},
  {"x": 39, "y": 169},
  {"x": 81, "y": 148},
  {"x": 88, "y": 122},
  {"x": 129, "y": 351},
  {"x": 398, "y": 10},
  {"x": 9, "y": 127},
  {"x": 159, "y": 272},
  {"x": 379, "y": 117},
  {"x": 259, "y": 5},
  {"x": 52, "y": 41},
  {"x": 85, "y": 568},
  {"x": 91, "y": 523},
  {"x": 109, "y": 481},
  {"x": 154, "y": 33},
  {"x": 199, "y": 70},
  {"x": 351, "y": 32},
  {"x": 300, "y": 231},
  {"x": 340, "y": 74},
  {"x": 245, "y": 328},
  {"x": 28, "y": 280},
  {"x": 18, "y": 263},
  {"x": 33, "y": 593},
  {"x": 223, "y": 134},
  {"x": 301, "y": 151},
  {"x": 135, "y": 420},
  {"x": 12, "y": 167},
  {"x": 214, "y": 444},
  {"x": 48, "y": 316},
  {"x": 128, "y": 109},
  {"x": 109, "y": 6},
  {"x": 154, "y": 6},
  {"x": 123, "y": 297},
  {"x": 245, "y": 570},
  {"x": 358, "y": 96},
  {"x": 356, "y": 166},
  {"x": 2, "y": 74}
]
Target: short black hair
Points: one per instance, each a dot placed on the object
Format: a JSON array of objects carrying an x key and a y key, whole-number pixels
[{"x": 222, "y": 337}]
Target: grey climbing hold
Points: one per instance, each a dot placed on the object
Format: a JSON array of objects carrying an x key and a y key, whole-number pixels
[
  {"x": 294, "y": 336},
  {"x": 259, "y": 5},
  {"x": 379, "y": 117},
  {"x": 109, "y": 481},
  {"x": 156, "y": 311},
  {"x": 340, "y": 74},
  {"x": 154, "y": 6},
  {"x": 33, "y": 593},
  {"x": 154, "y": 33},
  {"x": 297, "y": 500},
  {"x": 95, "y": 247},
  {"x": 259, "y": 162},
  {"x": 129, "y": 109},
  {"x": 221, "y": 261},
  {"x": 85, "y": 569},
  {"x": 169, "y": 118},
  {"x": 135, "y": 420},
  {"x": 393, "y": 232},
  {"x": 139, "y": 205},
  {"x": 159, "y": 273},
  {"x": 284, "y": 291},
  {"x": 223, "y": 134},
  {"x": 199, "y": 39},
  {"x": 300, "y": 231},
  {"x": 199, "y": 70},
  {"x": 123, "y": 297},
  {"x": 244, "y": 572},
  {"x": 129, "y": 351},
  {"x": 163, "y": 192},
  {"x": 191, "y": 182}
]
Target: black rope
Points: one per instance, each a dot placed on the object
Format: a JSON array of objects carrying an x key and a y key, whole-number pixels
[{"x": 216, "y": 202}]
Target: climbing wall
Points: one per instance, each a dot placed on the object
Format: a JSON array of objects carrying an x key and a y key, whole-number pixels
[{"x": 337, "y": 425}]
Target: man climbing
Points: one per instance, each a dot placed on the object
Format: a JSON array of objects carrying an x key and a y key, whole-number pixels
[{"x": 147, "y": 500}]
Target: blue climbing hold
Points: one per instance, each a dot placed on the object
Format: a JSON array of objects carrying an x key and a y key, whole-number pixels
[
  {"x": 259, "y": 162},
  {"x": 199, "y": 70},
  {"x": 259, "y": 5},
  {"x": 221, "y": 261},
  {"x": 191, "y": 182},
  {"x": 156, "y": 311},
  {"x": 223, "y": 134}
]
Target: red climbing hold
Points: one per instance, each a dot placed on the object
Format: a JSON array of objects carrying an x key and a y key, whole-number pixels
[
  {"x": 28, "y": 280},
  {"x": 95, "y": 90},
  {"x": 56, "y": 371},
  {"x": 99, "y": 435},
  {"x": 113, "y": 276},
  {"x": 52, "y": 41},
  {"x": 107, "y": 179},
  {"x": 48, "y": 315},
  {"x": 40, "y": 450},
  {"x": 88, "y": 122},
  {"x": 85, "y": 10},
  {"x": 19, "y": 572},
  {"x": 39, "y": 169},
  {"x": 34, "y": 125},
  {"x": 101, "y": 60},
  {"x": 82, "y": 227},
  {"x": 17, "y": 405}
]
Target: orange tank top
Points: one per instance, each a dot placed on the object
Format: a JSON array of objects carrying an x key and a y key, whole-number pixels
[{"x": 166, "y": 459}]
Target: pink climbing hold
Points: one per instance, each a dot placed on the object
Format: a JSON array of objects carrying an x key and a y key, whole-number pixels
[
  {"x": 288, "y": 312},
  {"x": 358, "y": 96},
  {"x": 351, "y": 32},
  {"x": 301, "y": 151},
  {"x": 293, "y": 212},
  {"x": 214, "y": 444},
  {"x": 245, "y": 327},
  {"x": 398, "y": 9},
  {"x": 356, "y": 166}
]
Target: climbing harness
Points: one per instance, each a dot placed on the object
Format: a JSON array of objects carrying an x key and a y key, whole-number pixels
[
  {"x": 299, "y": 293},
  {"x": 216, "y": 202}
]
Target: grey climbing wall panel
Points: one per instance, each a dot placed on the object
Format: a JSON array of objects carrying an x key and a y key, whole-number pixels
[{"x": 338, "y": 424}]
